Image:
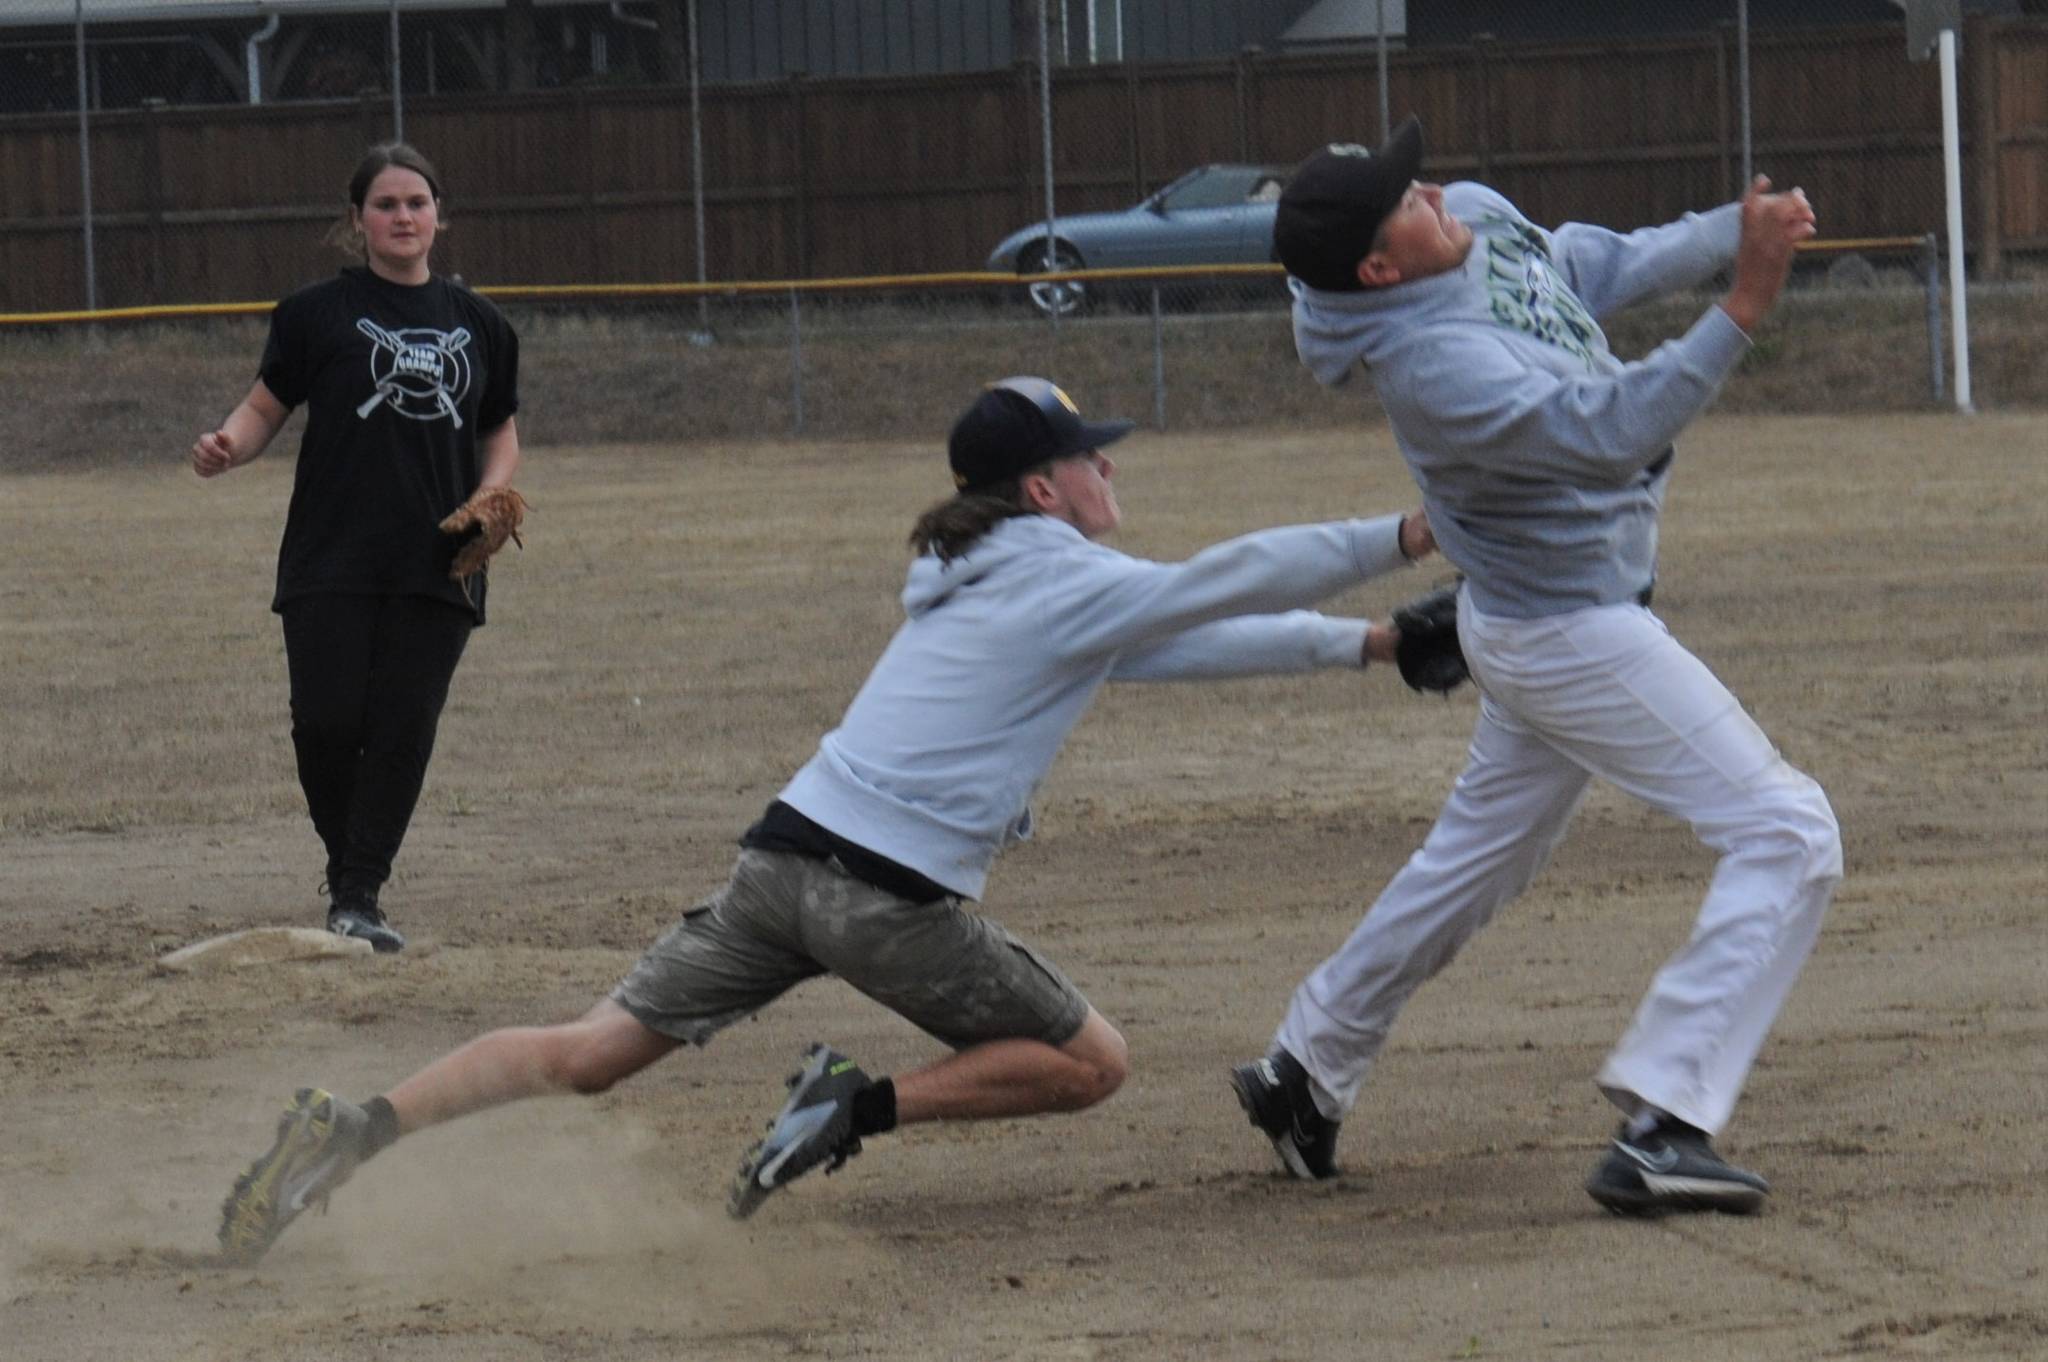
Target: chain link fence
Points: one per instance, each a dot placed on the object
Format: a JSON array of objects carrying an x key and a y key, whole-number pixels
[{"x": 841, "y": 176}]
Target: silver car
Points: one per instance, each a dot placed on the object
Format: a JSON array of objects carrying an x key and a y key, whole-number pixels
[{"x": 1213, "y": 215}]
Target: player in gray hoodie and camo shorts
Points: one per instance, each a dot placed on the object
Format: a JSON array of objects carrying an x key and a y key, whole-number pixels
[
  {"x": 1015, "y": 618},
  {"x": 1543, "y": 460}
]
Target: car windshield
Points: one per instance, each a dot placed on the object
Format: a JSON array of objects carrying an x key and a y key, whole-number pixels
[{"x": 1217, "y": 187}]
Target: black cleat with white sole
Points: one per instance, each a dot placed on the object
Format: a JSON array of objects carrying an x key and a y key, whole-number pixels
[
  {"x": 1274, "y": 1093},
  {"x": 1672, "y": 1168},
  {"x": 814, "y": 1126},
  {"x": 357, "y": 915}
]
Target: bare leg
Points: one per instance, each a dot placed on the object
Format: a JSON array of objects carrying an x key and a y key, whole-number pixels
[
  {"x": 587, "y": 1055},
  {"x": 1016, "y": 1077}
]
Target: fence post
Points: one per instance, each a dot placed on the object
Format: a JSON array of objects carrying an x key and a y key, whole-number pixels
[
  {"x": 1952, "y": 173},
  {"x": 1930, "y": 268},
  {"x": 92, "y": 286},
  {"x": 796, "y": 364},
  {"x": 1158, "y": 362},
  {"x": 697, "y": 162},
  {"x": 1742, "y": 91},
  {"x": 1982, "y": 51},
  {"x": 1045, "y": 137},
  {"x": 1379, "y": 23},
  {"x": 397, "y": 80}
]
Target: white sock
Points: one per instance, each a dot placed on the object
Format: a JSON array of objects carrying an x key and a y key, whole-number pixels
[{"x": 1644, "y": 1121}]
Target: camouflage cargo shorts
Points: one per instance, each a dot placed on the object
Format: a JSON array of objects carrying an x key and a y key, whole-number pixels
[{"x": 781, "y": 919}]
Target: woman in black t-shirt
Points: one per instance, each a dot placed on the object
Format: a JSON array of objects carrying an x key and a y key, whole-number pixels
[{"x": 410, "y": 383}]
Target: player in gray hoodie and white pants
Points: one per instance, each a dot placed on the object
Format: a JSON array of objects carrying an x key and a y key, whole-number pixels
[
  {"x": 1542, "y": 461},
  {"x": 860, "y": 868}
]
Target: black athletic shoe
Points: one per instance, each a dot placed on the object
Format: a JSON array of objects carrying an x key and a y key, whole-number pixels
[
  {"x": 1274, "y": 1093},
  {"x": 1672, "y": 1168},
  {"x": 356, "y": 914},
  {"x": 815, "y": 1125}
]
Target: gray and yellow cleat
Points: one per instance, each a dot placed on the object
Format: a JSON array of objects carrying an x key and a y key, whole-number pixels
[
  {"x": 815, "y": 1125},
  {"x": 320, "y": 1141}
]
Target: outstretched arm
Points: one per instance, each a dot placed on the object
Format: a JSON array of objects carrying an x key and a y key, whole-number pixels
[
  {"x": 245, "y": 434},
  {"x": 1258, "y": 645},
  {"x": 1270, "y": 645},
  {"x": 1610, "y": 271},
  {"x": 1140, "y": 603}
]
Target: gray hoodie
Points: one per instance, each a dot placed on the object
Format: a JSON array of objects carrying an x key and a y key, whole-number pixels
[
  {"x": 935, "y": 762},
  {"x": 1541, "y": 457}
]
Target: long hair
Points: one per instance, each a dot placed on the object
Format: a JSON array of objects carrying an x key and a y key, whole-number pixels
[
  {"x": 953, "y": 526},
  {"x": 344, "y": 235}
]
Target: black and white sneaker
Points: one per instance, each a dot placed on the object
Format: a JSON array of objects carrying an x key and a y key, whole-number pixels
[
  {"x": 1274, "y": 1093},
  {"x": 356, "y": 914},
  {"x": 1673, "y": 1167},
  {"x": 814, "y": 1126}
]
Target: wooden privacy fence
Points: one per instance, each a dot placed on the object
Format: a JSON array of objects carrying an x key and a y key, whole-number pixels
[{"x": 808, "y": 179}]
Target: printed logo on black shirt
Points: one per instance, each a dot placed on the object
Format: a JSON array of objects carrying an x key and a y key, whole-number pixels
[{"x": 421, "y": 373}]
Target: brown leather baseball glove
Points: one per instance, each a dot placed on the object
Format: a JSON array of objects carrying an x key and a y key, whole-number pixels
[{"x": 490, "y": 517}]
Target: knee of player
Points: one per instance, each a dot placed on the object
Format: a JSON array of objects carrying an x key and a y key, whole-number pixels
[
  {"x": 1105, "y": 1072},
  {"x": 589, "y": 1082},
  {"x": 1820, "y": 835}
]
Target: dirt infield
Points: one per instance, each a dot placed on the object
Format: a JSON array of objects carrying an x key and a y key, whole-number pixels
[{"x": 679, "y": 629}]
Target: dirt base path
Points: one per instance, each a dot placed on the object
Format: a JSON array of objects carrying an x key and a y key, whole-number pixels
[{"x": 681, "y": 627}]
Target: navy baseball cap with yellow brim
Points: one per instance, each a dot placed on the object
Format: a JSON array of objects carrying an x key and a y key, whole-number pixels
[
  {"x": 1016, "y": 425},
  {"x": 1333, "y": 207}
]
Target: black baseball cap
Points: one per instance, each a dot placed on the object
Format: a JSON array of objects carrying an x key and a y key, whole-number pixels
[
  {"x": 1016, "y": 425},
  {"x": 1331, "y": 209}
]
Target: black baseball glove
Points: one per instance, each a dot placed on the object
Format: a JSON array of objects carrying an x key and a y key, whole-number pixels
[{"x": 1428, "y": 653}]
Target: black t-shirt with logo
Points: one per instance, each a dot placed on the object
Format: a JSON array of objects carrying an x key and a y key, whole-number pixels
[{"x": 398, "y": 381}]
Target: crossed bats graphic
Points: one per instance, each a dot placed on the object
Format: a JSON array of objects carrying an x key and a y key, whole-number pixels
[{"x": 386, "y": 387}]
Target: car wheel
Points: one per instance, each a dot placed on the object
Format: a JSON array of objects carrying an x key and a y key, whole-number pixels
[{"x": 1062, "y": 299}]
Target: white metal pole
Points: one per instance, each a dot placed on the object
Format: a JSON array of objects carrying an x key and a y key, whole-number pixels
[
  {"x": 92, "y": 289},
  {"x": 1952, "y": 164}
]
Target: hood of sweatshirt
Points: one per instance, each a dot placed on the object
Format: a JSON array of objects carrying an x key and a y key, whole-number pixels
[
  {"x": 931, "y": 583},
  {"x": 1506, "y": 279}
]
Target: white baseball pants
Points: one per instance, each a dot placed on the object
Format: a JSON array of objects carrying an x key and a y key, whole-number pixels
[{"x": 1601, "y": 692}]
